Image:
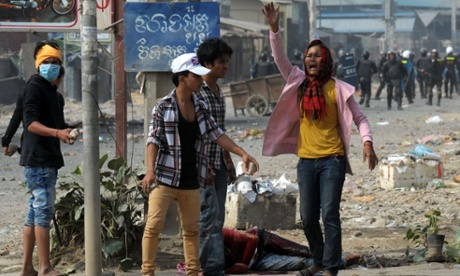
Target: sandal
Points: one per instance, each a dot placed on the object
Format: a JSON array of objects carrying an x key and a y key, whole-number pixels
[
  {"x": 310, "y": 271},
  {"x": 34, "y": 273},
  {"x": 53, "y": 272}
]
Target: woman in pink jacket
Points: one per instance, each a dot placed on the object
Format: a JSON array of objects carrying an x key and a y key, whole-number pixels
[{"x": 313, "y": 119}]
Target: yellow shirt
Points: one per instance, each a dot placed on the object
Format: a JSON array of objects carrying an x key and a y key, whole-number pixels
[{"x": 321, "y": 138}]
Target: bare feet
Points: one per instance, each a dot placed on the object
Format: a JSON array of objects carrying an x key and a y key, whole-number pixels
[{"x": 32, "y": 272}]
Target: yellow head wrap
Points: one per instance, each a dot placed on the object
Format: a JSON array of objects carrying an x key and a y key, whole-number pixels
[{"x": 47, "y": 52}]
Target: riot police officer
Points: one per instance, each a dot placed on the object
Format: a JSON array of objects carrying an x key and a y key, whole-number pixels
[
  {"x": 422, "y": 66},
  {"x": 451, "y": 64},
  {"x": 365, "y": 68},
  {"x": 436, "y": 70},
  {"x": 338, "y": 67},
  {"x": 393, "y": 73},
  {"x": 383, "y": 60},
  {"x": 263, "y": 67},
  {"x": 298, "y": 60},
  {"x": 409, "y": 82}
]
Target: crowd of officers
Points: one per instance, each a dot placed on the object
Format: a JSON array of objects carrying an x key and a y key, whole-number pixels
[{"x": 398, "y": 72}]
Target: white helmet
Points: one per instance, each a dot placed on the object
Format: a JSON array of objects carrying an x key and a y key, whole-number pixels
[
  {"x": 449, "y": 50},
  {"x": 406, "y": 54}
]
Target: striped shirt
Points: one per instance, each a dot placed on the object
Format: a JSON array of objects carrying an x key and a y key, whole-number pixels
[
  {"x": 217, "y": 107},
  {"x": 164, "y": 132}
]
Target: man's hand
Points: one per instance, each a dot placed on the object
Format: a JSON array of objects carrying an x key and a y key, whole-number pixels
[
  {"x": 148, "y": 181},
  {"x": 64, "y": 135},
  {"x": 248, "y": 168},
  {"x": 10, "y": 150},
  {"x": 6, "y": 152},
  {"x": 211, "y": 176}
]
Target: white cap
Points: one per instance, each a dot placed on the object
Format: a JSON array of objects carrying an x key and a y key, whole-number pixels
[
  {"x": 188, "y": 62},
  {"x": 449, "y": 50},
  {"x": 406, "y": 54}
]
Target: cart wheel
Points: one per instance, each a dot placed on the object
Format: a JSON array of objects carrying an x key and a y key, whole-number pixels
[{"x": 257, "y": 106}]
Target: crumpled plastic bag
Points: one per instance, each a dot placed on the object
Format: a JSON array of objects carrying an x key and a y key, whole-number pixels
[
  {"x": 284, "y": 186},
  {"x": 420, "y": 150},
  {"x": 264, "y": 188},
  {"x": 244, "y": 186},
  {"x": 434, "y": 120}
]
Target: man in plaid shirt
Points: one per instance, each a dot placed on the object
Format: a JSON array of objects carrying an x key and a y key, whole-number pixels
[
  {"x": 214, "y": 54},
  {"x": 177, "y": 164}
]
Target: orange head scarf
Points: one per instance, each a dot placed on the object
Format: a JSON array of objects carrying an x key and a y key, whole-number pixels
[{"x": 47, "y": 52}]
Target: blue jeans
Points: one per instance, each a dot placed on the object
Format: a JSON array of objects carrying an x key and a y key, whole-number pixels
[
  {"x": 276, "y": 262},
  {"x": 41, "y": 184},
  {"x": 211, "y": 222},
  {"x": 320, "y": 189}
]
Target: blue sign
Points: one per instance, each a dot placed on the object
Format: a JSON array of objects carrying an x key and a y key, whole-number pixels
[
  {"x": 156, "y": 33},
  {"x": 349, "y": 70}
]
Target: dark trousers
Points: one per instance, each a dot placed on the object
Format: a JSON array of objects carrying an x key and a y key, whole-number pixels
[
  {"x": 320, "y": 190},
  {"x": 379, "y": 90},
  {"x": 452, "y": 80},
  {"x": 365, "y": 92}
]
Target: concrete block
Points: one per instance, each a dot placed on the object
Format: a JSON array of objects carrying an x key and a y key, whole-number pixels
[
  {"x": 409, "y": 174},
  {"x": 274, "y": 212}
]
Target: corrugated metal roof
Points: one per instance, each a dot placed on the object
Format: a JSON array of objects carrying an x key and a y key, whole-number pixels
[
  {"x": 244, "y": 25},
  {"x": 365, "y": 25},
  {"x": 405, "y": 3}
]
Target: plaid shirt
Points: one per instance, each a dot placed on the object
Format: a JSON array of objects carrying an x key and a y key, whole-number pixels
[
  {"x": 217, "y": 107},
  {"x": 164, "y": 132}
]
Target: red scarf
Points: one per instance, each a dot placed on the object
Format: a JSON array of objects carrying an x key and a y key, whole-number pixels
[{"x": 311, "y": 96}]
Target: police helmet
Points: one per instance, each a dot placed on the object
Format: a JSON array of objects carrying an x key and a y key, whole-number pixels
[
  {"x": 423, "y": 52},
  {"x": 406, "y": 54},
  {"x": 366, "y": 54},
  {"x": 449, "y": 50},
  {"x": 297, "y": 55},
  {"x": 263, "y": 57},
  {"x": 341, "y": 53}
]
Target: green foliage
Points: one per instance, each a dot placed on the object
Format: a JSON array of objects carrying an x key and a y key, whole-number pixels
[
  {"x": 417, "y": 235},
  {"x": 121, "y": 209},
  {"x": 453, "y": 250},
  {"x": 432, "y": 227}
]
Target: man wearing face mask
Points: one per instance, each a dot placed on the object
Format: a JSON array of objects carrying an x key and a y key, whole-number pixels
[{"x": 44, "y": 129}]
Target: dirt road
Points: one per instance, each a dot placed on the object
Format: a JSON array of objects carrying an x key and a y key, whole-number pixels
[{"x": 374, "y": 220}]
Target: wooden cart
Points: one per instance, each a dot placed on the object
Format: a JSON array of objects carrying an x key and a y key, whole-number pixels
[{"x": 257, "y": 96}]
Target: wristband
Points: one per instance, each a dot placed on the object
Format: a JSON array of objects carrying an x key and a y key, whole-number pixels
[{"x": 55, "y": 134}]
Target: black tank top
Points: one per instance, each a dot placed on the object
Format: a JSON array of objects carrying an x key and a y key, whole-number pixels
[{"x": 189, "y": 170}]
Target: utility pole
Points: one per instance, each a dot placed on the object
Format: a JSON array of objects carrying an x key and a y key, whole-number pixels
[
  {"x": 92, "y": 199},
  {"x": 454, "y": 23},
  {"x": 312, "y": 12},
  {"x": 389, "y": 7},
  {"x": 120, "y": 86}
]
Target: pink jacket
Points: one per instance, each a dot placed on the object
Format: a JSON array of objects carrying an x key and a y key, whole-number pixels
[{"x": 282, "y": 131}]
